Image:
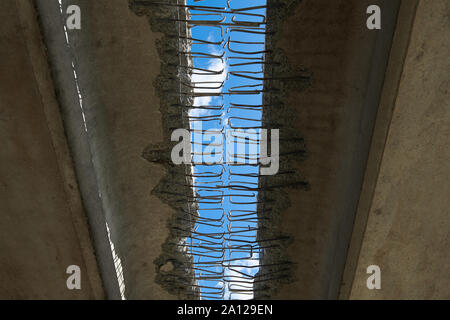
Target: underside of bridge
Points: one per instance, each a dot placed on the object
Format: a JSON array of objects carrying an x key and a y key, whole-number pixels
[{"x": 86, "y": 117}]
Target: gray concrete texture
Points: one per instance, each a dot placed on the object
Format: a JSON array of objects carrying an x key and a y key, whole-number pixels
[
  {"x": 116, "y": 61},
  {"x": 61, "y": 60},
  {"x": 43, "y": 227},
  {"x": 388, "y": 97},
  {"x": 44, "y": 212},
  {"x": 407, "y": 233},
  {"x": 335, "y": 115}
]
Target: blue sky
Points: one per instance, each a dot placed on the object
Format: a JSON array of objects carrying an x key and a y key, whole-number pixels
[{"x": 234, "y": 211}]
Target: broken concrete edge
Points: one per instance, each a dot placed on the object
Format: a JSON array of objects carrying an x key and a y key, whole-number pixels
[
  {"x": 277, "y": 267},
  {"x": 174, "y": 268},
  {"x": 59, "y": 58}
]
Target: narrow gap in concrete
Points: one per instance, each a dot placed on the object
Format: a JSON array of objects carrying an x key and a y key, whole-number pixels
[{"x": 227, "y": 57}]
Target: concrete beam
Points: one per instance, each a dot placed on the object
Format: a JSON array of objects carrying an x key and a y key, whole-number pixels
[
  {"x": 392, "y": 80},
  {"x": 407, "y": 233},
  {"x": 117, "y": 63},
  {"x": 336, "y": 116},
  {"x": 44, "y": 227}
]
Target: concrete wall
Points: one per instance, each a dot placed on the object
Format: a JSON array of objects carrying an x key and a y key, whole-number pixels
[
  {"x": 388, "y": 98},
  {"x": 117, "y": 63},
  {"x": 43, "y": 225},
  {"x": 335, "y": 116},
  {"x": 408, "y": 225}
]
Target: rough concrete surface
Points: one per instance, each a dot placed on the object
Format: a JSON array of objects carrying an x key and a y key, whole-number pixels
[
  {"x": 407, "y": 233},
  {"x": 335, "y": 116}
]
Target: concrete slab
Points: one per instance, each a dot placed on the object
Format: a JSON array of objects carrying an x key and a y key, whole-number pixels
[
  {"x": 43, "y": 225},
  {"x": 336, "y": 117},
  {"x": 407, "y": 233}
]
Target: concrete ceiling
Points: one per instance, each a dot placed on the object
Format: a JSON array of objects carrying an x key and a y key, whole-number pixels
[{"x": 61, "y": 184}]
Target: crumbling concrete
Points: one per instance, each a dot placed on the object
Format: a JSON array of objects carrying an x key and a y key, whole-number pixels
[{"x": 335, "y": 117}]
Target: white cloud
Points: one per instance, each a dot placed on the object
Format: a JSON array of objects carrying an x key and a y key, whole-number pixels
[
  {"x": 233, "y": 274},
  {"x": 214, "y": 64}
]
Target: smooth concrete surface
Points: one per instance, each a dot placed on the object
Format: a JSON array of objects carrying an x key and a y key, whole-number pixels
[
  {"x": 61, "y": 60},
  {"x": 43, "y": 227},
  {"x": 408, "y": 229},
  {"x": 116, "y": 62},
  {"x": 391, "y": 84},
  {"x": 336, "y": 117}
]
